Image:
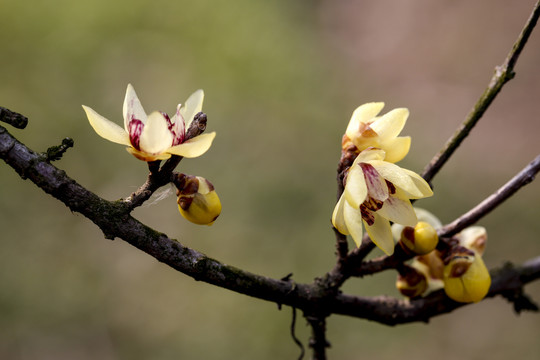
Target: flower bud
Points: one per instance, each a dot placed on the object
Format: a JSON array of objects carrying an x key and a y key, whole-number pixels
[
  {"x": 473, "y": 238},
  {"x": 198, "y": 201},
  {"x": 466, "y": 278},
  {"x": 411, "y": 282},
  {"x": 421, "y": 239}
]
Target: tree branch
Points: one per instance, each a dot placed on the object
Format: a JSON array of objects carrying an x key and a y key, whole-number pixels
[
  {"x": 14, "y": 119},
  {"x": 523, "y": 178},
  {"x": 503, "y": 74}
]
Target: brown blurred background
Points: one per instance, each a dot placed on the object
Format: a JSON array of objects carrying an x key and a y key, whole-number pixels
[{"x": 281, "y": 80}]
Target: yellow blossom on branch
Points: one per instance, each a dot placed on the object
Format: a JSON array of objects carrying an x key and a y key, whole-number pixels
[
  {"x": 155, "y": 136},
  {"x": 377, "y": 192},
  {"x": 366, "y": 129}
]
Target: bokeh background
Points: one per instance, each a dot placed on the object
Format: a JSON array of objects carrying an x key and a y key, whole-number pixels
[{"x": 281, "y": 80}]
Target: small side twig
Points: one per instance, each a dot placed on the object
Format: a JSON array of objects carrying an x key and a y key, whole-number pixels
[
  {"x": 523, "y": 178},
  {"x": 14, "y": 119},
  {"x": 503, "y": 74}
]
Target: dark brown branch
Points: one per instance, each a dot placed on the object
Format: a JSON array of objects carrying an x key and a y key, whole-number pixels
[
  {"x": 14, "y": 119},
  {"x": 391, "y": 311},
  {"x": 503, "y": 74},
  {"x": 318, "y": 342},
  {"x": 114, "y": 219},
  {"x": 523, "y": 178}
]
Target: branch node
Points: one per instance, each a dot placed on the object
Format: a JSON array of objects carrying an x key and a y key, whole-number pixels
[{"x": 56, "y": 152}]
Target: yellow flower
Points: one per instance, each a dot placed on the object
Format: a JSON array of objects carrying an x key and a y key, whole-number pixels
[
  {"x": 466, "y": 278},
  {"x": 377, "y": 192},
  {"x": 154, "y": 136},
  {"x": 198, "y": 201},
  {"x": 366, "y": 129}
]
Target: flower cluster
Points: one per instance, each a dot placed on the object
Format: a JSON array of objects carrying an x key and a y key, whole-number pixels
[
  {"x": 376, "y": 190},
  {"x": 459, "y": 269},
  {"x": 156, "y": 136}
]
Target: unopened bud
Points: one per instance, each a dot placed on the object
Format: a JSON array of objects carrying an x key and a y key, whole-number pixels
[
  {"x": 411, "y": 282},
  {"x": 473, "y": 238},
  {"x": 421, "y": 239},
  {"x": 198, "y": 201},
  {"x": 466, "y": 278}
]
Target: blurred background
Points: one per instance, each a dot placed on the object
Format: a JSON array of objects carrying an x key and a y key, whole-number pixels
[{"x": 281, "y": 80}]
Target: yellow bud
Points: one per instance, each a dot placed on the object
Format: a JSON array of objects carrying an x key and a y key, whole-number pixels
[
  {"x": 473, "y": 238},
  {"x": 411, "y": 282},
  {"x": 466, "y": 278},
  {"x": 421, "y": 239},
  {"x": 198, "y": 201}
]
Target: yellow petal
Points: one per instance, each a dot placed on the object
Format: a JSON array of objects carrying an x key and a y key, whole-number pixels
[
  {"x": 362, "y": 114},
  {"x": 423, "y": 187},
  {"x": 353, "y": 222},
  {"x": 381, "y": 234},
  {"x": 106, "y": 128},
  {"x": 132, "y": 107},
  {"x": 338, "y": 219},
  {"x": 390, "y": 124},
  {"x": 147, "y": 157},
  {"x": 399, "y": 211},
  {"x": 396, "y": 149},
  {"x": 368, "y": 155},
  {"x": 355, "y": 189},
  {"x": 193, "y": 147},
  {"x": 156, "y": 136},
  {"x": 192, "y": 106},
  {"x": 411, "y": 183}
]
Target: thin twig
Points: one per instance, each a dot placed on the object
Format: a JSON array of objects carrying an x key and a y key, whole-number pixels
[
  {"x": 502, "y": 75},
  {"x": 523, "y": 178},
  {"x": 318, "y": 342},
  {"x": 14, "y": 119}
]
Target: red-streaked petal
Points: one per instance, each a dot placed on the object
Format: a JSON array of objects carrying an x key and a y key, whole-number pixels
[
  {"x": 135, "y": 128},
  {"x": 132, "y": 108},
  {"x": 376, "y": 185},
  {"x": 192, "y": 106},
  {"x": 178, "y": 128}
]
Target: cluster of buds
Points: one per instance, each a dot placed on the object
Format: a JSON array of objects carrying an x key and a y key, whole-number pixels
[{"x": 459, "y": 269}]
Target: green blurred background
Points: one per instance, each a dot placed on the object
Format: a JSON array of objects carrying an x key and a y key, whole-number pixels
[{"x": 281, "y": 80}]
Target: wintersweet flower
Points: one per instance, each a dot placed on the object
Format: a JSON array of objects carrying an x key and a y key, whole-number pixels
[
  {"x": 154, "y": 136},
  {"x": 366, "y": 129},
  {"x": 377, "y": 192}
]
